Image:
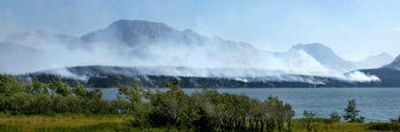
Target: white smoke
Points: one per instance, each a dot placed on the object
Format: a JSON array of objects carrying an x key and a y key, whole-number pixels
[
  {"x": 65, "y": 73},
  {"x": 299, "y": 62},
  {"x": 214, "y": 57},
  {"x": 361, "y": 77}
]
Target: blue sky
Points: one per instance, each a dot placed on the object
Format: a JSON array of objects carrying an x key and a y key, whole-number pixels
[{"x": 355, "y": 29}]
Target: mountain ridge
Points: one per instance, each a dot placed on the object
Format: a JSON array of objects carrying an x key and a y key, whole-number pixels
[
  {"x": 138, "y": 32},
  {"x": 395, "y": 64},
  {"x": 145, "y": 43},
  {"x": 41, "y": 39},
  {"x": 325, "y": 55},
  {"x": 375, "y": 61}
]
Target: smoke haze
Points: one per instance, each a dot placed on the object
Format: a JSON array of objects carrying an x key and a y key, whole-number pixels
[{"x": 150, "y": 44}]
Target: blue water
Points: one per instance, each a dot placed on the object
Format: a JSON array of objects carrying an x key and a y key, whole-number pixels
[{"x": 375, "y": 104}]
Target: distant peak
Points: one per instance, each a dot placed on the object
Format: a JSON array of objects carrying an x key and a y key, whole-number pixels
[
  {"x": 41, "y": 31},
  {"x": 311, "y": 46},
  {"x": 380, "y": 56},
  {"x": 125, "y": 22},
  {"x": 34, "y": 32},
  {"x": 188, "y": 31},
  {"x": 395, "y": 64},
  {"x": 384, "y": 54},
  {"x": 397, "y": 58},
  {"x": 140, "y": 32},
  {"x": 140, "y": 26},
  {"x": 38, "y": 34}
]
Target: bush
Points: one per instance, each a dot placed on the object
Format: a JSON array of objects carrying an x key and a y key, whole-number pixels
[
  {"x": 206, "y": 110},
  {"x": 383, "y": 126},
  {"x": 10, "y": 85},
  {"x": 334, "y": 116},
  {"x": 309, "y": 119},
  {"x": 173, "y": 107},
  {"x": 41, "y": 104},
  {"x": 395, "y": 120}
]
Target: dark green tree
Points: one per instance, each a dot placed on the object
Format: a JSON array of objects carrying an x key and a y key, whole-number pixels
[
  {"x": 9, "y": 85},
  {"x": 36, "y": 86},
  {"x": 80, "y": 90},
  {"x": 134, "y": 96},
  {"x": 41, "y": 104},
  {"x": 95, "y": 94},
  {"x": 60, "y": 87},
  {"x": 352, "y": 113},
  {"x": 19, "y": 102},
  {"x": 334, "y": 116},
  {"x": 172, "y": 107},
  {"x": 395, "y": 120}
]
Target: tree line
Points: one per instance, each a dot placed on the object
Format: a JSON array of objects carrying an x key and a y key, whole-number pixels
[{"x": 204, "y": 110}]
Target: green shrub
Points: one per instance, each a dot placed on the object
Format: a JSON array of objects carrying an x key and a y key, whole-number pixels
[
  {"x": 309, "y": 120},
  {"x": 383, "y": 126},
  {"x": 334, "y": 116},
  {"x": 206, "y": 110}
]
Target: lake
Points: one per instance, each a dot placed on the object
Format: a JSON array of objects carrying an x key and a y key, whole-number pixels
[{"x": 375, "y": 104}]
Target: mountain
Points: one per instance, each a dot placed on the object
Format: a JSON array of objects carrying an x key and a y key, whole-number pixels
[
  {"x": 140, "y": 32},
  {"x": 329, "y": 59},
  {"x": 142, "y": 35},
  {"x": 151, "y": 43},
  {"x": 395, "y": 65},
  {"x": 388, "y": 74},
  {"x": 139, "y": 43},
  {"x": 300, "y": 61},
  {"x": 154, "y": 53},
  {"x": 375, "y": 61},
  {"x": 41, "y": 39},
  {"x": 324, "y": 55}
]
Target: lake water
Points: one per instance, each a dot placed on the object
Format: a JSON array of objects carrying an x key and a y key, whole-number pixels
[{"x": 375, "y": 104}]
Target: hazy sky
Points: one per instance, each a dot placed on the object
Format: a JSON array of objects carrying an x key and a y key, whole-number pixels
[{"x": 353, "y": 28}]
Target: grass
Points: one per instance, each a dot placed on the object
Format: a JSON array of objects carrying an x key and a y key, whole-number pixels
[
  {"x": 70, "y": 123},
  {"x": 111, "y": 123},
  {"x": 61, "y": 122},
  {"x": 324, "y": 125},
  {"x": 103, "y": 127}
]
